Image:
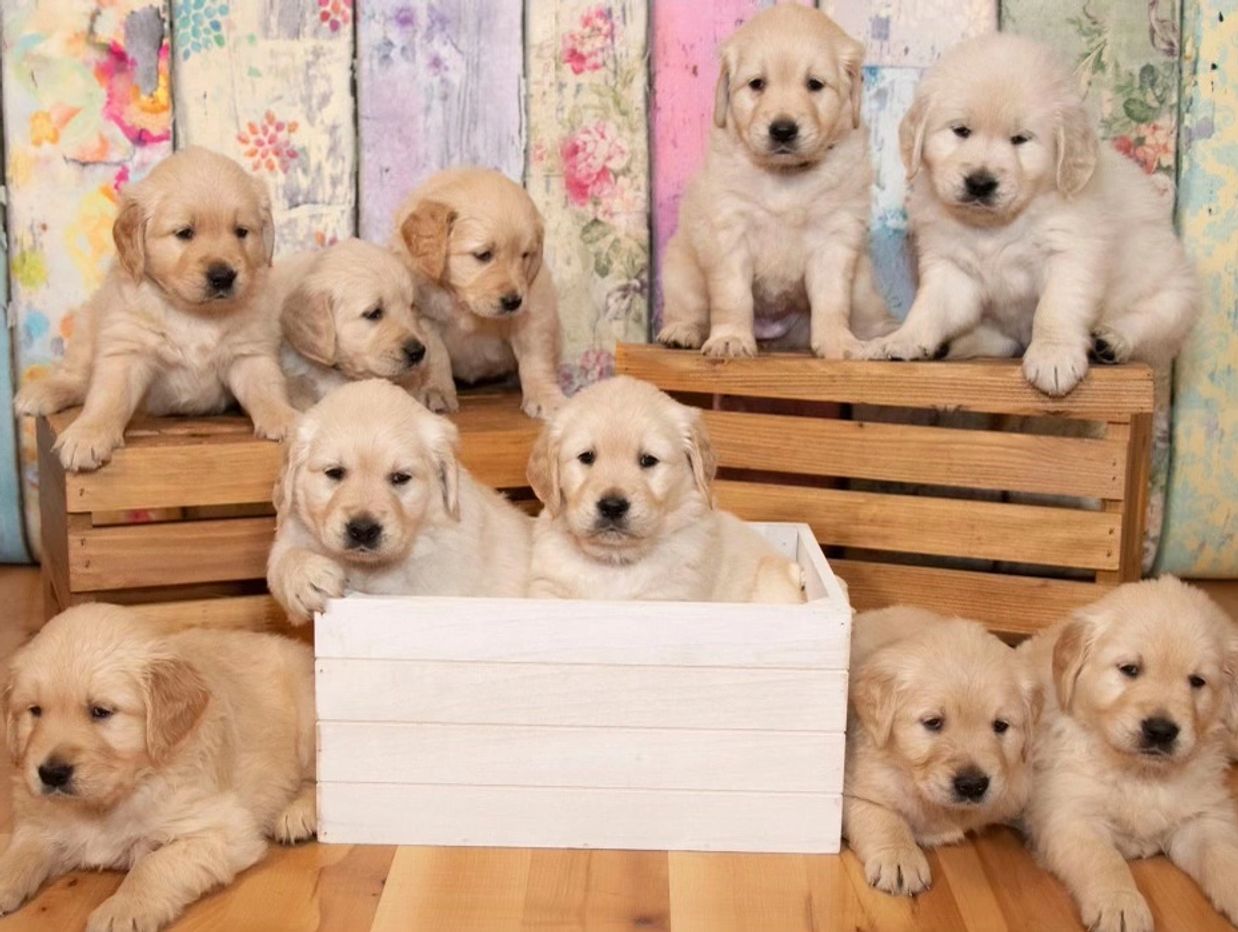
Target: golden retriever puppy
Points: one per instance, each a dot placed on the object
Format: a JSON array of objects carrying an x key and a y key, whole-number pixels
[
  {"x": 172, "y": 756},
  {"x": 181, "y": 324},
  {"x": 772, "y": 242},
  {"x": 1131, "y": 761},
  {"x": 1031, "y": 237},
  {"x": 624, "y": 472},
  {"x": 372, "y": 499},
  {"x": 473, "y": 239},
  {"x": 942, "y": 715},
  {"x": 348, "y": 313}
]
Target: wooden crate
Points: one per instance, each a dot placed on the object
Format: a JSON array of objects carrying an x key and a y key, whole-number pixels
[
  {"x": 181, "y": 518},
  {"x": 580, "y": 724},
  {"x": 1016, "y": 558}
]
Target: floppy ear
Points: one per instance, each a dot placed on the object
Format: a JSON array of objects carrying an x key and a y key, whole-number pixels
[
  {"x": 533, "y": 264},
  {"x": 296, "y": 452},
  {"x": 1070, "y": 652},
  {"x": 700, "y": 453},
  {"x": 309, "y": 325},
  {"x": 722, "y": 90},
  {"x": 268, "y": 220},
  {"x": 543, "y": 470},
  {"x": 446, "y": 465},
  {"x": 911, "y": 134},
  {"x": 129, "y": 234},
  {"x": 851, "y": 60},
  {"x": 176, "y": 697},
  {"x": 874, "y": 697},
  {"x": 1077, "y": 149},
  {"x": 426, "y": 232},
  {"x": 1034, "y": 701},
  {"x": 10, "y": 720}
]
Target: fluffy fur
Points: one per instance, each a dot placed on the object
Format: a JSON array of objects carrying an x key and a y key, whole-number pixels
[
  {"x": 181, "y": 324},
  {"x": 939, "y": 741},
  {"x": 172, "y": 756},
  {"x": 1055, "y": 247},
  {"x": 624, "y": 472},
  {"x": 772, "y": 241},
  {"x": 372, "y": 499},
  {"x": 348, "y": 313},
  {"x": 473, "y": 240}
]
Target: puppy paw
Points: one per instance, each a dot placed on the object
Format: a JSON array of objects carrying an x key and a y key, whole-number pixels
[
  {"x": 85, "y": 446},
  {"x": 544, "y": 405},
  {"x": 730, "y": 343},
  {"x": 1055, "y": 367},
  {"x": 308, "y": 585},
  {"x": 438, "y": 400},
  {"x": 121, "y": 913},
  {"x": 839, "y": 346},
  {"x": 299, "y": 822},
  {"x": 901, "y": 871},
  {"x": 275, "y": 424},
  {"x": 11, "y": 897},
  {"x": 46, "y": 396},
  {"x": 681, "y": 336},
  {"x": 1109, "y": 347},
  {"x": 1117, "y": 911},
  {"x": 899, "y": 349}
]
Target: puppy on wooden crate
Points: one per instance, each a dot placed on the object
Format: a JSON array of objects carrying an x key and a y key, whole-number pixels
[
  {"x": 939, "y": 745},
  {"x": 772, "y": 243},
  {"x": 624, "y": 472},
  {"x": 348, "y": 313},
  {"x": 473, "y": 240},
  {"x": 1031, "y": 237},
  {"x": 182, "y": 324},
  {"x": 172, "y": 755},
  {"x": 1132, "y": 758},
  {"x": 372, "y": 499}
]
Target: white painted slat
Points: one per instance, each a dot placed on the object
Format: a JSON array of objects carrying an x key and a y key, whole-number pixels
[
  {"x": 627, "y": 758},
  {"x": 388, "y": 814},
  {"x": 580, "y": 694}
]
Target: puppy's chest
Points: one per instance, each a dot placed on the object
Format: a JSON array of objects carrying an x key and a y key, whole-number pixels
[
  {"x": 1009, "y": 269},
  {"x": 1144, "y": 814},
  {"x": 194, "y": 357}
]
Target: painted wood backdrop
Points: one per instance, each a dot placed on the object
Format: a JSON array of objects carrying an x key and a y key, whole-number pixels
[{"x": 602, "y": 108}]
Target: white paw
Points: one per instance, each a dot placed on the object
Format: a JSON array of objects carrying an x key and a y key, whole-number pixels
[
  {"x": 904, "y": 348},
  {"x": 297, "y": 823},
  {"x": 46, "y": 396},
  {"x": 309, "y": 584},
  {"x": 85, "y": 446},
  {"x": 1055, "y": 367},
  {"x": 120, "y": 913},
  {"x": 1117, "y": 911},
  {"x": 681, "y": 336},
  {"x": 11, "y": 898},
  {"x": 901, "y": 871},
  {"x": 276, "y": 425},
  {"x": 440, "y": 401},
  {"x": 543, "y": 406},
  {"x": 840, "y": 346},
  {"x": 729, "y": 343},
  {"x": 1110, "y": 347}
]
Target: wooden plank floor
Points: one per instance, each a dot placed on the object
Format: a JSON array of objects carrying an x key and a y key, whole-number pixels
[{"x": 990, "y": 884}]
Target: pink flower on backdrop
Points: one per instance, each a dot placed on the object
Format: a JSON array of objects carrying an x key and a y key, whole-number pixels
[
  {"x": 335, "y": 14},
  {"x": 268, "y": 144},
  {"x": 143, "y": 118},
  {"x": 591, "y": 157},
  {"x": 1150, "y": 146},
  {"x": 589, "y": 46}
]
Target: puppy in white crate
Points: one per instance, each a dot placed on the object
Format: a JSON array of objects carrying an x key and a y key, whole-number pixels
[
  {"x": 372, "y": 499},
  {"x": 348, "y": 313},
  {"x": 940, "y": 740},
  {"x": 772, "y": 243},
  {"x": 1030, "y": 236},
  {"x": 624, "y": 472},
  {"x": 183, "y": 323}
]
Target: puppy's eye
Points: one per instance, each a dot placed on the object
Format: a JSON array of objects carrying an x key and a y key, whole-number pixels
[
  {"x": 334, "y": 473},
  {"x": 1019, "y": 138},
  {"x": 587, "y": 457},
  {"x": 757, "y": 84},
  {"x": 648, "y": 461},
  {"x": 399, "y": 478},
  {"x": 35, "y": 710},
  {"x": 484, "y": 256},
  {"x": 184, "y": 233},
  {"x": 962, "y": 132},
  {"x": 241, "y": 232},
  {"x": 1197, "y": 682},
  {"x": 814, "y": 85},
  {"x": 1130, "y": 670},
  {"x": 935, "y": 723},
  {"x": 99, "y": 713},
  {"x": 374, "y": 313},
  {"x": 1000, "y": 726}
]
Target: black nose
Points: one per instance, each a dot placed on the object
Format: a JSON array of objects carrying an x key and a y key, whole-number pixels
[
  {"x": 784, "y": 130},
  {"x": 980, "y": 184},
  {"x": 1159, "y": 732},
  {"x": 363, "y": 531},
  {"x": 414, "y": 352},
  {"x": 220, "y": 277},
  {"x": 511, "y": 302},
  {"x": 613, "y": 507},
  {"x": 971, "y": 784},
  {"x": 55, "y": 773}
]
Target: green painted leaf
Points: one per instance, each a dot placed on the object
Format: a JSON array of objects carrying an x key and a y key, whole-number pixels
[{"x": 1138, "y": 110}]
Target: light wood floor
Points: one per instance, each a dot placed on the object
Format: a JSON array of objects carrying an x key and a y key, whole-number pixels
[{"x": 990, "y": 884}]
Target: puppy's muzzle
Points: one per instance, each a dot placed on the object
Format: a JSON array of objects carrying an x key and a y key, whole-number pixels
[
  {"x": 1158, "y": 735},
  {"x": 612, "y": 512},
  {"x": 970, "y": 785},
  {"x": 56, "y": 776},
  {"x": 979, "y": 187},
  {"x": 783, "y": 134},
  {"x": 220, "y": 278},
  {"x": 362, "y": 533},
  {"x": 414, "y": 352}
]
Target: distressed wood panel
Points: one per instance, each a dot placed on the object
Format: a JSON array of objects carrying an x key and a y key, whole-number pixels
[
  {"x": 588, "y": 171},
  {"x": 86, "y": 109},
  {"x": 438, "y": 84},
  {"x": 912, "y": 33},
  {"x": 268, "y": 82}
]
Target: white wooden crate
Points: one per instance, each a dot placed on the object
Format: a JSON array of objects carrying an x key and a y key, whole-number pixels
[{"x": 581, "y": 724}]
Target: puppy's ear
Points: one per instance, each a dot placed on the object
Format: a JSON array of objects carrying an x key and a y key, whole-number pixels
[
  {"x": 722, "y": 90},
  {"x": 267, "y": 218},
  {"x": 176, "y": 696},
  {"x": 1077, "y": 149},
  {"x": 1070, "y": 653},
  {"x": 426, "y": 233},
  {"x": 10, "y": 720},
  {"x": 911, "y": 135},
  {"x": 296, "y": 452},
  {"x": 309, "y": 325},
  {"x": 533, "y": 264},
  {"x": 874, "y": 697},
  {"x": 1034, "y": 705},
  {"x": 700, "y": 453},
  {"x": 446, "y": 464},
  {"x": 851, "y": 61},
  {"x": 129, "y": 234},
  {"x": 543, "y": 470}
]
